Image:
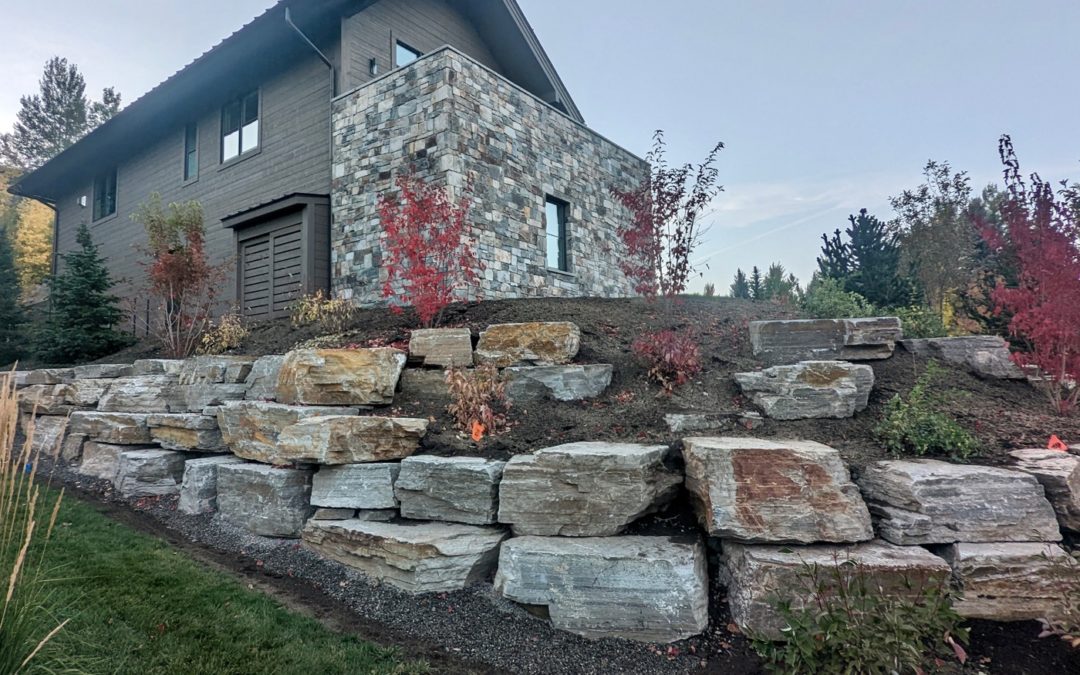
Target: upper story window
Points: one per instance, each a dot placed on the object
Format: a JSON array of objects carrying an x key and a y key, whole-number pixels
[
  {"x": 404, "y": 54},
  {"x": 240, "y": 126},
  {"x": 105, "y": 194},
  {"x": 191, "y": 152},
  {"x": 555, "y": 222}
]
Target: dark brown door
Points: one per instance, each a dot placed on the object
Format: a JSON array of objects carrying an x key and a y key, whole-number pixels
[{"x": 271, "y": 270}]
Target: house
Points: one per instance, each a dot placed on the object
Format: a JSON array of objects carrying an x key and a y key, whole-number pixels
[{"x": 289, "y": 130}]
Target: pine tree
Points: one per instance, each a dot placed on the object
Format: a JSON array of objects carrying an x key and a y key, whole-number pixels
[
  {"x": 757, "y": 287},
  {"x": 834, "y": 261},
  {"x": 12, "y": 321},
  {"x": 779, "y": 285},
  {"x": 874, "y": 252},
  {"x": 84, "y": 313},
  {"x": 740, "y": 288}
]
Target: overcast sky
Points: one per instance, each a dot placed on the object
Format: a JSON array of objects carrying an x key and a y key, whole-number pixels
[{"x": 825, "y": 106}]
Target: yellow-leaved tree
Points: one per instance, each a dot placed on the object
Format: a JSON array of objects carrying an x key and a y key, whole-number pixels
[{"x": 33, "y": 243}]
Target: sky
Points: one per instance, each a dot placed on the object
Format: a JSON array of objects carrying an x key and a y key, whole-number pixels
[{"x": 824, "y": 107}]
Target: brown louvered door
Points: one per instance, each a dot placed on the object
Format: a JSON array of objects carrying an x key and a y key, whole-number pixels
[{"x": 271, "y": 271}]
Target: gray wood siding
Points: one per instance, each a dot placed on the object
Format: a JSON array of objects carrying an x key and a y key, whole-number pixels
[{"x": 425, "y": 25}]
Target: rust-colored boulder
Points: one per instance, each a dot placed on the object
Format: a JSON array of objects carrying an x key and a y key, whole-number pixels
[
  {"x": 340, "y": 376},
  {"x": 347, "y": 439},
  {"x": 534, "y": 344},
  {"x": 251, "y": 428}
]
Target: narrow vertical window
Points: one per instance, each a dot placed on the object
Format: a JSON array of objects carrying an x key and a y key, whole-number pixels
[
  {"x": 240, "y": 126},
  {"x": 191, "y": 152},
  {"x": 105, "y": 195},
  {"x": 555, "y": 219},
  {"x": 404, "y": 54}
]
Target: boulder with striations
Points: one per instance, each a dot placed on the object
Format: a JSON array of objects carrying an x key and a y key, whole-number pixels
[
  {"x": 198, "y": 488},
  {"x": 532, "y": 344},
  {"x": 348, "y": 439},
  {"x": 355, "y": 486},
  {"x": 251, "y": 428},
  {"x": 987, "y": 356},
  {"x": 451, "y": 489},
  {"x": 150, "y": 473},
  {"x": 560, "y": 383},
  {"x": 340, "y": 376},
  {"x": 790, "y": 341},
  {"x": 187, "y": 432},
  {"x": 809, "y": 389},
  {"x": 1059, "y": 474},
  {"x": 442, "y": 347},
  {"x": 265, "y": 500}
]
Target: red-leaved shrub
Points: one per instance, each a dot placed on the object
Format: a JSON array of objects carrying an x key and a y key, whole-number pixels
[
  {"x": 672, "y": 357},
  {"x": 1042, "y": 235},
  {"x": 429, "y": 258}
]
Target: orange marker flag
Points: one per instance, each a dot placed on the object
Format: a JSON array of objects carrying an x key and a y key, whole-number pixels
[
  {"x": 478, "y": 431},
  {"x": 1056, "y": 444}
]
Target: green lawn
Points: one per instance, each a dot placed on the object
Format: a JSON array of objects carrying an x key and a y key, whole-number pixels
[{"x": 138, "y": 606}]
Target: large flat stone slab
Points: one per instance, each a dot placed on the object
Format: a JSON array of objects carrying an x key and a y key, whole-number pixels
[
  {"x": 415, "y": 557},
  {"x": 45, "y": 399},
  {"x": 987, "y": 356},
  {"x": 348, "y": 439},
  {"x": 1059, "y": 474},
  {"x": 140, "y": 394},
  {"x": 115, "y": 428},
  {"x": 86, "y": 393},
  {"x": 932, "y": 502},
  {"x": 102, "y": 371},
  {"x": 560, "y": 383},
  {"x": 150, "y": 473},
  {"x": 810, "y": 389},
  {"x": 102, "y": 460},
  {"x": 451, "y": 489},
  {"x": 776, "y": 491},
  {"x": 532, "y": 344},
  {"x": 262, "y": 380},
  {"x": 49, "y": 376},
  {"x": 355, "y": 486},
  {"x": 197, "y": 397},
  {"x": 441, "y": 347},
  {"x": 585, "y": 489},
  {"x": 682, "y": 423},
  {"x": 340, "y": 376},
  {"x": 1013, "y": 581},
  {"x": 144, "y": 367},
  {"x": 251, "y": 428},
  {"x": 46, "y": 434},
  {"x": 198, "y": 489},
  {"x": 187, "y": 432},
  {"x": 265, "y": 500},
  {"x": 215, "y": 370},
  {"x": 758, "y": 576},
  {"x": 652, "y": 589},
  {"x": 784, "y": 342}
]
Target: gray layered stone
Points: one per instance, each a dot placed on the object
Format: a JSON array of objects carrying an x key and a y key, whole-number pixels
[
  {"x": 932, "y": 502},
  {"x": 585, "y": 489},
  {"x": 774, "y": 491},
  {"x": 187, "y": 432},
  {"x": 18, "y": 378},
  {"x": 348, "y": 439},
  {"x": 199, "y": 487},
  {"x": 334, "y": 514},
  {"x": 45, "y": 399},
  {"x": 355, "y": 486},
  {"x": 265, "y": 500},
  {"x": 1013, "y": 581},
  {"x": 102, "y": 460},
  {"x": 102, "y": 371},
  {"x": 150, "y": 473},
  {"x": 215, "y": 370},
  {"x": 251, "y": 428},
  {"x": 144, "y": 367},
  {"x": 790, "y": 341},
  {"x": 115, "y": 428},
  {"x": 415, "y": 557},
  {"x": 442, "y": 347},
  {"x": 810, "y": 389},
  {"x": 680, "y": 423},
  {"x": 196, "y": 397},
  {"x": 262, "y": 380},
  {"x": 561, "y": 383},
  {"x": 987, "y": 356},
  {"x": 340, "y": 376},
  {"x": 71, "y": 451},
  {"x": 49, "y": 376},
  {"x": 1059, "y": 474},
  {"x": 451, "y": 489},
  {"x": 653, "y": 589},
  {"x": 46, "y": 434},
  {"x": 140, "y": 394},
  {"x": 760, "y": 576},
  {"x": 424, "y": 386},
  {"x": 86, "y": 393}
]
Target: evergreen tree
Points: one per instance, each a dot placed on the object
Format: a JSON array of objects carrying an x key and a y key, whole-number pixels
[
  {"x": 12, "y": 321},
  {"x": 740, "y": 288},
  {"x": 779, "y": 285},
  {"x": 874, "y": 252},
  {"x": 757, "y": 287},
  {"x": 834, "y": 261},
  {"x": 84, "y": 314}
]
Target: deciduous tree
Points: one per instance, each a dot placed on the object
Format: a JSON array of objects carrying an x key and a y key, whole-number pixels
[{"x": 12, "y": 320}]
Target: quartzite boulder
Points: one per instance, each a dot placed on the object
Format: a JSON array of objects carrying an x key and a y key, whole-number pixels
[
  {"x": 932, "y": 502},
  {"x": 150, "y": 473},
  {"x": 585, "y": 489},
  {"x": 415, "y": 557},
  {"x": 86, "y": 393},
  {"x": 191, "y": 432},
  {"x": 215, "y": 370},
  {"x": 538, "y": 344},
  {"x": 1059, "y": 474},
  {"x": 157, "y": 367},
  {"x": 101, "y": 460},
  {"x": 759, "y": 576},
  {"x": 196, "y": 397},
  {"x": 562, "y": 383},
  {"x": 48, "y": 433},
  {"x": 141, "y": 394},
  {"x": 452, "y": 489},
  {"x": 251, "y": 428},
  {"x": 809, "y": 390},
  {"x": 984, "y": 355},
  {"x": 198, "y": 490},
  {"x": 679, "y": 423},
  {"x": 442, "y": 347},
  {"x": 102, "y": 371},
  {"x": 45, "y": 399},
  {"x": 1013, "y": 581},
  {"x": 340, "y": 376},
  {"x": 265, "y": 500},
  {"x": 424, "y": 386},
  {"x": 262, "y": 380},
  {"x": 49, "y": 376},
  {"x": 348, "y": 439},
  {"x": 355, "y": 486},
  {"x": 782, "y": 342},
  {"x": 653, "y": 589},
  {"x": 335, "y": 514},
  {"x": 115, "y": 428},
  {"x": 774, "y": 491}
]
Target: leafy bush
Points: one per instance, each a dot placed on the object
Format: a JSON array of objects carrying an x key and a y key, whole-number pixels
[
  {"x": 826, "y": 298},
  {"x": 332, "y": 315},
  {"x": 852, "y": 625},
  {"x": 916, "y": 426},
  {"x": 672, "y": 357},
  {"x": 920, "y": 321},
  {"x": 228, "y": 333},
  {"x": 478, "y": 400}
]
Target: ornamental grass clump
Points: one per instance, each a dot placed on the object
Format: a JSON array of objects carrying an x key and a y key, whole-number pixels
[{"x": 27, "y": 518}]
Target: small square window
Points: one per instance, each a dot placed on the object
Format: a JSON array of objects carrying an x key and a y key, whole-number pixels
[
  {"x": 404, "y": 54},
  {"x": 240, "y": 126},
  {"x": 105, "y": 195},
  {"x": 558, "y": 258},
  {"x": 191, "y": 152}
]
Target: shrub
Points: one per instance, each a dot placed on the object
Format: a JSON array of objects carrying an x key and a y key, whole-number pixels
[
  {"x": 478, "y": 400},
  {"x": 853, "y": 625},
  {"x": 710, "y": 290},
  {"x": 673, "y": 358},
  {"x": 916, "y": 426},
  {"x": 919, "y": 321},
  {"x": 826, "y": 298},
  {"x": 332, "y": 315},
  {"x": 228, "y": 333},
  {"x": 429, "y": 259}
]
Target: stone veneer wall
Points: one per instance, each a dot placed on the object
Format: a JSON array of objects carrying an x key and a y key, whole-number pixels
[{"x": 452, "y": 120}]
